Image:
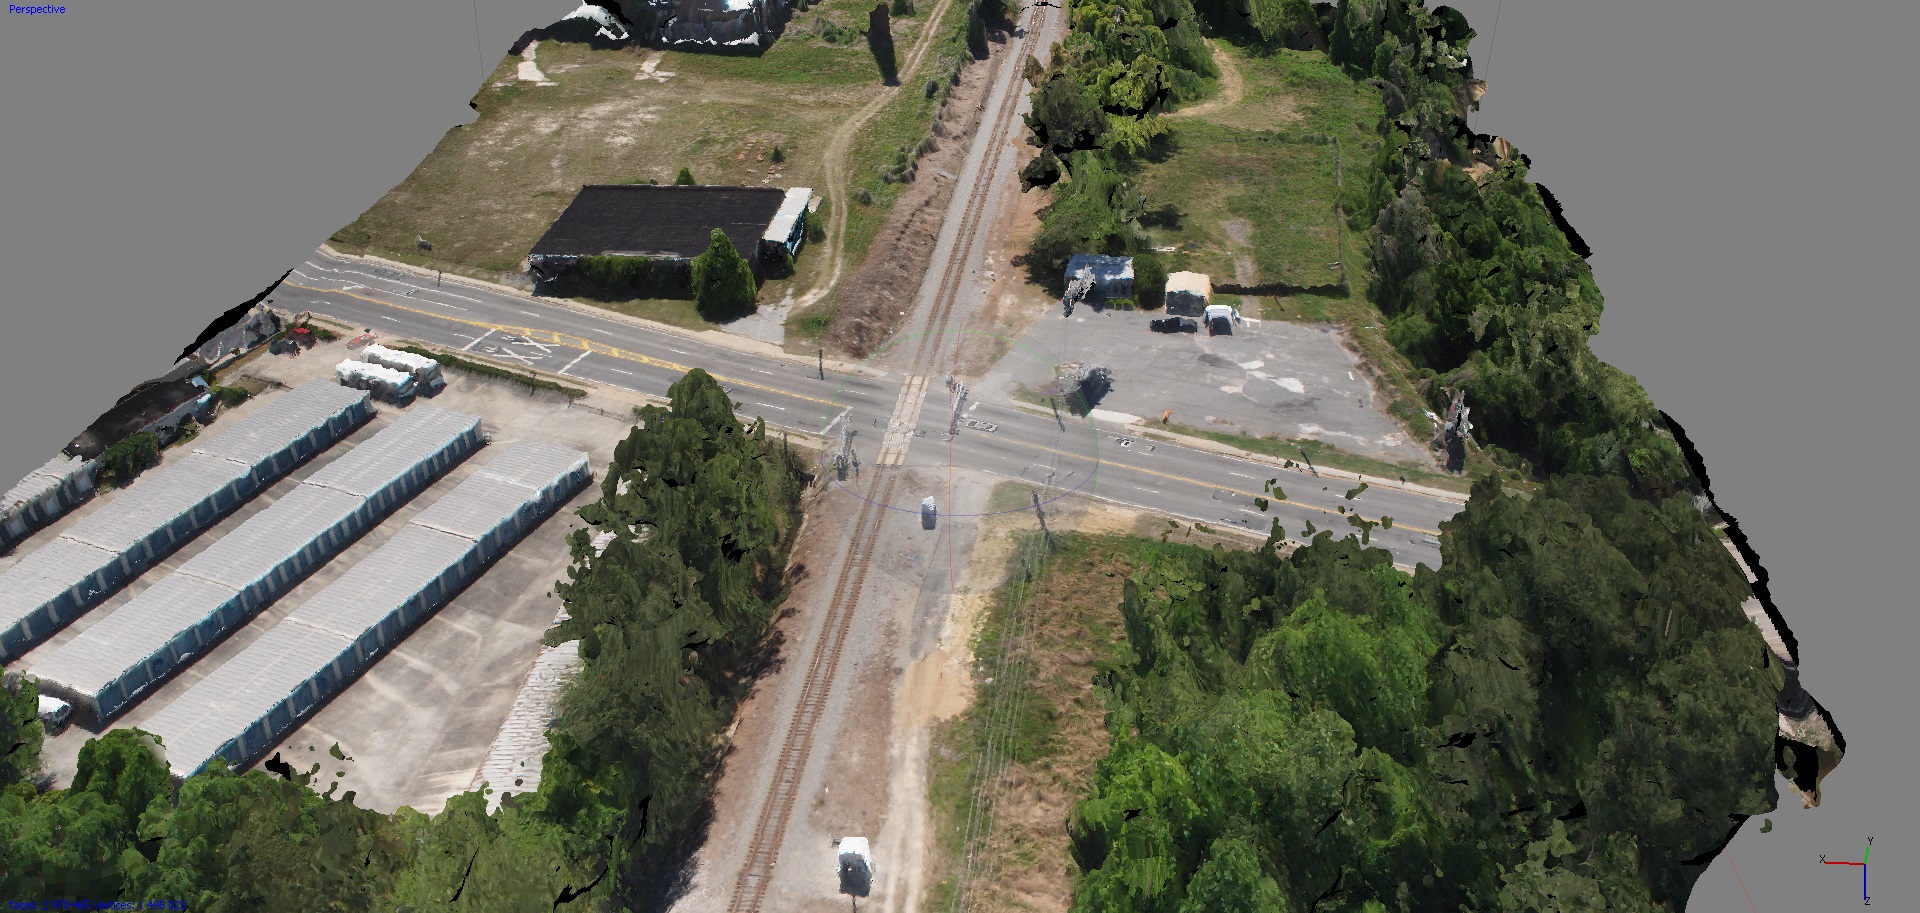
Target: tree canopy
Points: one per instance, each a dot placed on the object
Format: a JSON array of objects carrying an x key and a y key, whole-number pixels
[{"x": 723, "y": 284}]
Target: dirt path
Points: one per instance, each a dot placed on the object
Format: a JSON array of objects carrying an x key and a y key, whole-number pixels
[
  {"x": 835, "y": 163},
  {"x": 1233, "y": 87}
]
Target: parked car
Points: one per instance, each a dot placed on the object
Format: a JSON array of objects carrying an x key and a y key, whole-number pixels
[
  {"x": 54, "y": 714},
  {"x": 1174, "y": 325}
]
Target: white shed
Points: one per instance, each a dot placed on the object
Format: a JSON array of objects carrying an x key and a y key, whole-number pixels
[{"x": 1188, "y": 293}]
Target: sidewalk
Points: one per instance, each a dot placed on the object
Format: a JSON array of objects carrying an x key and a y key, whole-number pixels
[
  {"x": 1132, "y": 424},
  {"x": 719, "y": 338}
]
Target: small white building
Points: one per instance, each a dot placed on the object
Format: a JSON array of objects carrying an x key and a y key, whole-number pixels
[
  {"x": 1112, "y": 277},
  {"x": 386, "y": 383},
  {"x": 424, "y": 369},
  {"x": 1188, "y": 293}
]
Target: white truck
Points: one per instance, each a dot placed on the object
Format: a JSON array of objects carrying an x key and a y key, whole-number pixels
[{"x": 54, "y": 714}]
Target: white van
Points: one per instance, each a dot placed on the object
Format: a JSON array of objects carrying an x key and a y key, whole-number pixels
[{"x": 54, "y": 713}]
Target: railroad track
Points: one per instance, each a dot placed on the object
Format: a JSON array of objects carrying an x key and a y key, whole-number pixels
[
  {"x": 979, "y": 196},
  {"x": 768, "y": 833}
]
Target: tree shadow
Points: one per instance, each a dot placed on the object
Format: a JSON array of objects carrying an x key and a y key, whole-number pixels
[
  {"x": 1166, "y": 215},
  {"x": 880, "y": 42}
]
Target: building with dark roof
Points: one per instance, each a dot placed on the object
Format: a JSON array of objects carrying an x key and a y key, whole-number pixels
[
  {"x": 671, "y": 222},
  {"x": 153, "y": 406}
]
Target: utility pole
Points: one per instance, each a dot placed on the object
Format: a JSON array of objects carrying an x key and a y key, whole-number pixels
[
  {"x": 1038, "y": 512},
  {"x": 1303, "y": 455},
  {"x": 823, "y": 363}
]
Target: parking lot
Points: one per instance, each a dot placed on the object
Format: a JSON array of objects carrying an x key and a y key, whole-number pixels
[
  {"x": 1268, "y": 378},
  {"x": 418, "y": 724}
]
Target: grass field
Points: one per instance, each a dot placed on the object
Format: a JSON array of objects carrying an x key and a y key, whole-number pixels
[
  {"x": 1247, "y": 191},
  {"x": 489, "y": 190}
]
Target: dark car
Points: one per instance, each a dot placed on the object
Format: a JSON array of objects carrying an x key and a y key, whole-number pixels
[{"x": 1174, "y": 325}]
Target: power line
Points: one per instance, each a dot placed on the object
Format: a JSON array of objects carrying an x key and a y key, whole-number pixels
[
  {"x": 1488, "y": 70},
  {"x": 479, "y": 53}
]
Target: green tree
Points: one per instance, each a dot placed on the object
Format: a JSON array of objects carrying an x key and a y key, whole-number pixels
[
  {"x": 684, "y": 178},
  {"x": 1064, "y": 117},
  {"x": 723, "y": 283},
  {"x": 976, "y": 32},
  {"x": 21, "y": 734},
  {"x": 817, "y": 223},
  {"x": 125, "y": 459},
  {"x": 1149, "y": 279},
  {"x": 1231, "y": 881}
]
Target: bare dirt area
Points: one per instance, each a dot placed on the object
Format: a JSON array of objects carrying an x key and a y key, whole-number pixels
[
  {"x": 1012, "y": 304},
  {"x": 1233, "y": 87},
  {"x": 871, "y": 300}
]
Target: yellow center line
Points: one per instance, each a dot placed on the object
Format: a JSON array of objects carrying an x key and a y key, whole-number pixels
[
  {"x": 1167, "y": 475},
  {"x": 565, "y": 339},
  {"x": 588, "y": 345}
]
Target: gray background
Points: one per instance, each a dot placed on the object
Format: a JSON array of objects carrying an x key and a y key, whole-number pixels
[{"x": 1736, "y": 166}]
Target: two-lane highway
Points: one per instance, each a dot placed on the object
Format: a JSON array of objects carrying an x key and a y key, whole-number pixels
[{"x": 789, "y": 393}]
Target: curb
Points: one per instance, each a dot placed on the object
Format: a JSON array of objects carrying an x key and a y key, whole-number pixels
[
  {"x": 711, "y": 337},
  {"x": 1147, "y": 430}
]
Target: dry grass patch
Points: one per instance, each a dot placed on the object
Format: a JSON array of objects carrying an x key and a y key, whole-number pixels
[
  {"x": 1042, "y": 709},
  {"x": 489, "y": 190}
]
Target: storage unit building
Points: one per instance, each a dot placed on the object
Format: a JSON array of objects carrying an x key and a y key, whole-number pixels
[
  {"x": 55, "y": 583},
  {"x": 43, "y": 496},
  {"x": 111, "y": 664},
  {"x": 245, "y": 707}
]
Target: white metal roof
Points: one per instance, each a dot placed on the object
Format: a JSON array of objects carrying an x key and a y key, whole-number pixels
[
  {"x": 383, "y": 581},
  {"x": 1101, "y": 267},
  {"x": 1191, "y": 283},
  {"x": 536, "y": 464},
  {"x": 282, "y": 421},
  {"x": 37, "y": 483},
  {"x": 476, "y": 507},
  {"x": 132, "y": 634},
  {"x": 241, "y": 692},
  {"x": 394, "y": 358},
  {"x": 44, "y": 574},
  {"x": 273, "y": 536},
  {"x": 781, "y": 228},
  {"x": 415, "y": 437},
  {"x": 351, "y": 369},
  {"x": 157, "y": 499}
]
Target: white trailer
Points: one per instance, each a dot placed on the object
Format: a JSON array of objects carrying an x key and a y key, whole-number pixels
[
  {"x": 386, "y": 383},
  {"x": 855, "y": 866},
  {"x": 425, "y": 370}
]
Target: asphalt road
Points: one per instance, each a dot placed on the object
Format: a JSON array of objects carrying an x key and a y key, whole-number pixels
[{"x": 1001, "y": 438}]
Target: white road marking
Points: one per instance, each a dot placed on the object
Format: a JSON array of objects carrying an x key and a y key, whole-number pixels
[
  {"x": 628, "y": 373},
  {"x": 385, "y": 317},
  {"x": 1242, "y": 475},
  {"x": 770, "y": 406},
  {"x": 672, "y": 349},
  {"x": 393, "y": 280},
  {"x": 530, "y": 313},
  {"x": 476, "y": 340},
  {"x": 759, "y": 371},
  {"x": 573, "y": 362}
]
